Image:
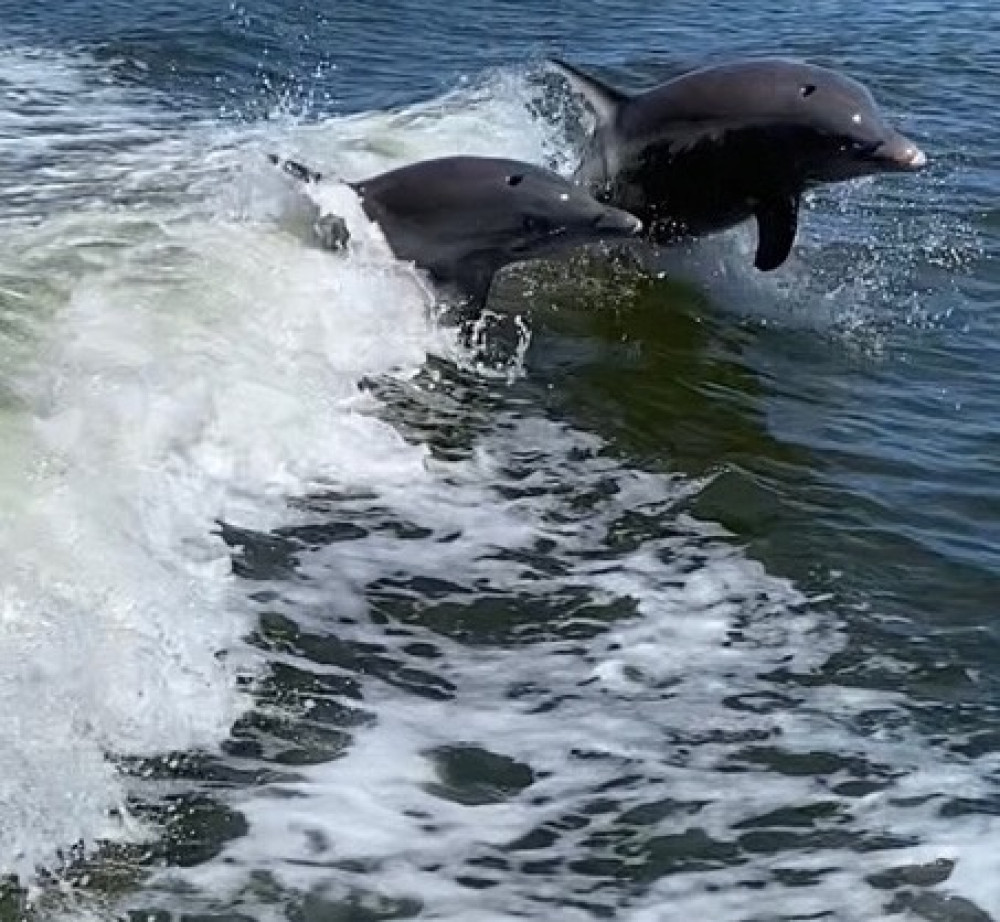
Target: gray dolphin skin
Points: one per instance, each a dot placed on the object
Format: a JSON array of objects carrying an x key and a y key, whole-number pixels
[
  {"x": 463, "y": 218},
  {"x": 716, "y": 146}
]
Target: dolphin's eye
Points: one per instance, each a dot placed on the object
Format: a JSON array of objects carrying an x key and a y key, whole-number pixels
[
  {"x": 807, "y": 90},
  {"x": 515, "y": 180}
]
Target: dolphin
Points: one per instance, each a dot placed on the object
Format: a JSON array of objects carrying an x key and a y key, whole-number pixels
[
  {"x": 716, "y": 146},
  {"x": 463, "y": 218}
]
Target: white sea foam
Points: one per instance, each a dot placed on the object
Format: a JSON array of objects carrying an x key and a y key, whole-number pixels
[{"x": 166, "y": 366}]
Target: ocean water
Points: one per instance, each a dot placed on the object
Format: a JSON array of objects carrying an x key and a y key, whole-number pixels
[{"x": 678, "y": 597}]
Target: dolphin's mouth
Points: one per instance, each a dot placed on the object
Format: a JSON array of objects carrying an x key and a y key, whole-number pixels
[
  {"x": 618, "y": 223},
  {"x": 540, "y": 242},
  {"x": 612, "y": 223}
]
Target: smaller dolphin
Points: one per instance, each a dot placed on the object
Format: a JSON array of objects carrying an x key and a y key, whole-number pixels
[
  {"x": 713, "y": 147},
  {"x": 463, "y": 218}
]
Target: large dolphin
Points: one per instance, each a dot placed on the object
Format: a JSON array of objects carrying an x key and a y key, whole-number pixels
[
  {"x": 463, "y": 218},
  {"x": 713, "y": 147}
]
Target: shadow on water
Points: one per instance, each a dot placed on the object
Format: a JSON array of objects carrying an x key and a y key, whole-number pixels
[{"x": 665, "y": 377}]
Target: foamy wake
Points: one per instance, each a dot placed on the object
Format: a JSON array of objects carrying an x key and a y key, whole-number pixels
[
  {"x": 169, "y": 361},
  {"x": 640, "y": 726}
]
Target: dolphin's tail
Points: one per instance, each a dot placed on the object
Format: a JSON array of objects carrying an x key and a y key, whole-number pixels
[
  {"x": 331, "y": 230},
  {"x": 295, "y": 169}
]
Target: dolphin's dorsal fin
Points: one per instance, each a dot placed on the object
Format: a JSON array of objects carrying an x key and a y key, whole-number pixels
[
  {"x": 295, "y": 169},
  {"x": 603, "y": 99}
]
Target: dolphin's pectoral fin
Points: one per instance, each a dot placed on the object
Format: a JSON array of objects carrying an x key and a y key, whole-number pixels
[
  {"x": 777, "y": 222},
  {"x": 474, "y": 285},
  {"x": 470, "y": 279}
]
